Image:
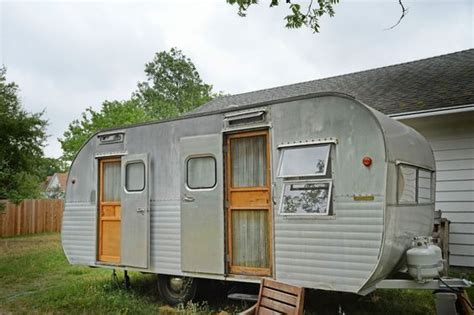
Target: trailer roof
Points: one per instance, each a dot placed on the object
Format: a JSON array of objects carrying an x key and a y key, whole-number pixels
[{"x": 432, "y": 83}]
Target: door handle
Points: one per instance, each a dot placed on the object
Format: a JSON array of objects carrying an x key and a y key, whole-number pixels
[
  {"x": 188, "y": 198},
  {"x": 141, "y": 210}
]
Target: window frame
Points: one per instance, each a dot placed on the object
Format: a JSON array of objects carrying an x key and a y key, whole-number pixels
[
  {"x": 187, "y": 172},
  {"x": 283, "y": 148},
  {"x": 306, "y": 181},
  {"x": 417, "y": 178},
  {"x": 126, "y": 177}
]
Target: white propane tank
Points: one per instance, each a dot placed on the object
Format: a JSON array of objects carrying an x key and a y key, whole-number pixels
[{"x": 424, "y": 259}]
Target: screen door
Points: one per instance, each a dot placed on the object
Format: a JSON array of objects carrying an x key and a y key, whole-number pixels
[{"x": 248, "y": 203}]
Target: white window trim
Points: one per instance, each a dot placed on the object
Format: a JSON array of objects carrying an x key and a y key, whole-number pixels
[
  {"x": 280, "y": 162},
  {"x": 315, "y": 214}
]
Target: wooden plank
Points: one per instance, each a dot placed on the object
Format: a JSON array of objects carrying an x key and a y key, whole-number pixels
[
  {"x": 266, "y": 311},
  {"x": 277, "y": 306},
  {"x": 280, "y": 296},
  {"x": 31, "y": 216},
  {"x": 281, "y": 286}
]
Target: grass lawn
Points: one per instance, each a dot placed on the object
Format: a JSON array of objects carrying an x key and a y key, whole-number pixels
[{"x": 36, "y": 277}]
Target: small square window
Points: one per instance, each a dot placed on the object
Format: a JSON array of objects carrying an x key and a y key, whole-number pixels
[
  {"x": 304, "y": 161},
  {"x": 201, "y": 172},
  {"x": 135, "y": 176},
  {"x": 306, "y": 198}
]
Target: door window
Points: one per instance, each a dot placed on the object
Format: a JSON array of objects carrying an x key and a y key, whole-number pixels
[
  {"x": 135, "y": 176},
  {"x": 201, "y": 172}
]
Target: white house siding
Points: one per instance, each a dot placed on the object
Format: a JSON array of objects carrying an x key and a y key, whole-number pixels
[{"x": 452, "y": 139}]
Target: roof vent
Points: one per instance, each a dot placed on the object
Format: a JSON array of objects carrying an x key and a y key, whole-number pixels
[
  {"x": 111, "y": 138},
  {"x": 245, "y": 118}
]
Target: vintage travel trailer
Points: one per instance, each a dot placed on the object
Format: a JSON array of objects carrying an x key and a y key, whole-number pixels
[{"x": 320, "y": 191}]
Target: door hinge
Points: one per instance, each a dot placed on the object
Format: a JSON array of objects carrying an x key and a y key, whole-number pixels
[
  {"x": 226, "y": 203},
  {"x": 227, "y": 258}
]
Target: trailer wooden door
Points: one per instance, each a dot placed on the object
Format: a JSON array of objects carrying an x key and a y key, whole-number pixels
[
  {"x": 109, "y": 210},
  {"x": 249, "y": 218}
]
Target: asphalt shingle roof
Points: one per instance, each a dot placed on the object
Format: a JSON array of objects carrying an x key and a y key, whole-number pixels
[{"x": 431, "y": 83}]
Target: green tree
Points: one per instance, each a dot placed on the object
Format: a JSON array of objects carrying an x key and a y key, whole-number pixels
[
  {"x": 173, "y": 86},
  {"x": 301, "y": 15},
  {"x": 111, "y": 114},
  {"x": 49, "y": 166},
  {"x": 307, "y": 14},
  {"x": 22, "y": 138}
]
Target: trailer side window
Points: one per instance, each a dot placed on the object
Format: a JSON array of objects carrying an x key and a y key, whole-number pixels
[
  {"x": 406, "y": 184},
  {"x": 201, "y": 172},
  {"x": 424, "y": 186},
  {"x": 415, "y": 185},
  {"x": 304, "y": 161},
  {"x": 135, "y": 176},
  {"x": 306, "y": 198}
]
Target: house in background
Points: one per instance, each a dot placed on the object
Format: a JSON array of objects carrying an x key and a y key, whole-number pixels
[
  {"x": 434, "y": 96},
  {"x": 55, "y": 186}
]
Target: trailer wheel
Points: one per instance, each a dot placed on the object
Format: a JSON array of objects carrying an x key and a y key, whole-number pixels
[{"x": 175, "y": 290}]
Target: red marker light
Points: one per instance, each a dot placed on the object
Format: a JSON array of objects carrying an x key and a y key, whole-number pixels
[{"x": 367, "y": 161}]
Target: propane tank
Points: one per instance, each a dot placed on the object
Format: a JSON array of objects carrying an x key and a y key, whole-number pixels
[{"x": 424, "y": 259}]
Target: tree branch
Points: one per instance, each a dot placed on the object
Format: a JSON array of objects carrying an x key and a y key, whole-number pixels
[{"x": 404, "y": 12}]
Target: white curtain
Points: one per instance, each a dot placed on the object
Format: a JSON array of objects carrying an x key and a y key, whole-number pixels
[
  {"x": 250, "y": 238},
  {"x": 111, "y": 189},
  {"x": 249, "y": 161}
]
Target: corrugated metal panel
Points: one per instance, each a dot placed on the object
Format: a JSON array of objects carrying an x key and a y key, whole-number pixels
[
  {"x": 78, "y": 232},
  {"x": 165, "y": 238},
  {"x": 455, "y": 193},
  {"x": 337, "y": 254}
]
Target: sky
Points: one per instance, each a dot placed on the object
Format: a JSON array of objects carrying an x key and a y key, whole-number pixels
[{"x": 69, "y": 55}]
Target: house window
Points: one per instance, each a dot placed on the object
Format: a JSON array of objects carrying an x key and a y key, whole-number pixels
[
  {"x": 201, "y": 172},
  {"x": 306, "y": 198},
  {"x": 415, "y": 185},
  {"x": 304, "y": 161},
  {"x": 135, "y": 176}
]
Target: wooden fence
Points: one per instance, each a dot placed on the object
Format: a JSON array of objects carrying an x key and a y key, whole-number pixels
[{"x": 31, "y": 216}]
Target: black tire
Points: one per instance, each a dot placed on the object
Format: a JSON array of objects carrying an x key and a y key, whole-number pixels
[{"x": 173, "y": 293}]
